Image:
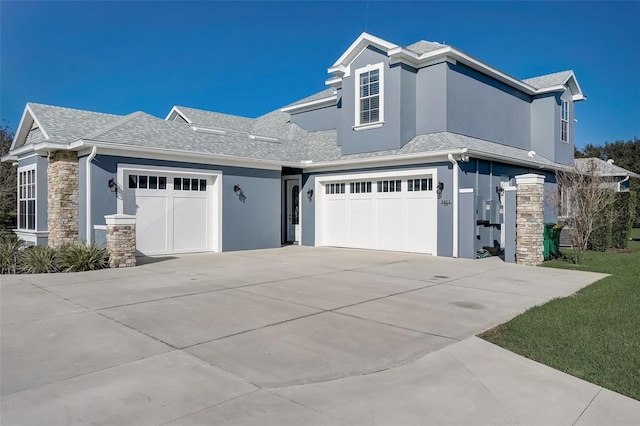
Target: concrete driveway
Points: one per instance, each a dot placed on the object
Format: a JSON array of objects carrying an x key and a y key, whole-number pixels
[{"x": 296, "y": 335}]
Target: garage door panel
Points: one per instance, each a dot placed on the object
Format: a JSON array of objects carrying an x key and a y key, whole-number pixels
[
  {"x": 151, "y": 224},
  {"x": 337, "y": 215},
  {"x": 387, "y": 211},
  {"x": 362, "y": 223},
  {"x": 420, "y": 224},
  {"x": 174, "y": 211},
  {"x": 390, "y": 224},
  {"x": 189, "y": 223}
]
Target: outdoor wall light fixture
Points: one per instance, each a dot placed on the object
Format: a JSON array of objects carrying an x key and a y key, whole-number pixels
[
  {"x": 439, "y": 189},
  {"x": 113, "y": 187},
  {"x": 500, "y": 192},
  {"x": 310, "y": 194},
  {"x": 237, "y": 189}
]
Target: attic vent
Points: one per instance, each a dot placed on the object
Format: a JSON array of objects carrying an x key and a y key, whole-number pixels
[
  {"x": 263, "y": 138},
  {"x": 207, "y": 130}
]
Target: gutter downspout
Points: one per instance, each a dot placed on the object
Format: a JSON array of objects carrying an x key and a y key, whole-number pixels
[
  {"x": 90, "y": 158},
  {"x": 455, "y": 204},
  {"x": 621, "y": 182}
]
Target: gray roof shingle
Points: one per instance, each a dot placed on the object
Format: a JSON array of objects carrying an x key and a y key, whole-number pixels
[
  {"x": 326, "y": 93},
  {"x": 604, "y": 168},
  {"x": 67, "y": 125},
  {"x": 548, "y": 80},
  {"x": 422, "y": 46}
]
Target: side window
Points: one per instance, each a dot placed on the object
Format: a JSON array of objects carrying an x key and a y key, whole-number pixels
[{"x": 564, "y": 121}]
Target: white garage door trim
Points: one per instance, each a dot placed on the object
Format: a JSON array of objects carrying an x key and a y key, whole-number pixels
[
  {"x": 214, "y": 194},
  {"x": 319, "y": 189}
]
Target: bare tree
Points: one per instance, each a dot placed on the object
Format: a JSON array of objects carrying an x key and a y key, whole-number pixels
[
  {"x": 580, "y": 200},
  {"x": 7, "y": 182}
]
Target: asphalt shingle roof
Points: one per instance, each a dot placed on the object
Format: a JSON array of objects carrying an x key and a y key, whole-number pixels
[
  {"x": 548, "y": 80},
  {"x": 604, "y": 168},
  {"x": 67, "y": 125},
  {"x": 422, "y": 46},
  {"x": 326, "y": 93}
]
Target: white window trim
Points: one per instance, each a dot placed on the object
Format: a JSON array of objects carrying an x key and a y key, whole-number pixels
[
  {"x": 23, "y": 169},
  {"x": 367, "y": 126},
  {"x": 562, "y": 103}
]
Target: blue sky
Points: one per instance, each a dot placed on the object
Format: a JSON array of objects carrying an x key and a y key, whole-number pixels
[{"x": 249, "y": 58}]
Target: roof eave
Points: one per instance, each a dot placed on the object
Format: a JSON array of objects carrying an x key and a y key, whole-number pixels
[
  {"x": 380, "y": 159},
  {"x": 311, "y": 105}
]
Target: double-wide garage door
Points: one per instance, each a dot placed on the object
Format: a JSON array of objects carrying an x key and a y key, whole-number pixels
[
  {"x": 396, "y": 213},
  {"x": 174, "y": 211}
]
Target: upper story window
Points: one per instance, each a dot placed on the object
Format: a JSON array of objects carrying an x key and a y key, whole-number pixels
[
  {"x": 27, "y": 197},
  {"x": 369, "y": 97},
  {"x": 564, "y": 121}
]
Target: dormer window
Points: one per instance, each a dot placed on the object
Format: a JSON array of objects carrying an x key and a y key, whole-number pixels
[
  {"x": 564, "y": 121},
  {"x": 369, "y": 97}
]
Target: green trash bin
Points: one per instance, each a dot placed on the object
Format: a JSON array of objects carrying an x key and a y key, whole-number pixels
[{"x": 551, "y": 240}]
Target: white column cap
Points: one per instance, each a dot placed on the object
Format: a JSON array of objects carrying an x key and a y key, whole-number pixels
[
  {"x": 529, "y": 179},
  {"x": 120, "y": 219}
]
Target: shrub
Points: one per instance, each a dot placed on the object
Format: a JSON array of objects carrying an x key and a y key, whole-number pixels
[
  {"x": 83, "y": 257},
  {"x": 612, "y": 225},
  {"x": 10, "y": 247},
  {"x": 39, "y": 260},
  {"x": 625, "y": 207}
]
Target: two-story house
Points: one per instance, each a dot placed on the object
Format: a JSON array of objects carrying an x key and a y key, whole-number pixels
[{"x": 376, "y": 161}]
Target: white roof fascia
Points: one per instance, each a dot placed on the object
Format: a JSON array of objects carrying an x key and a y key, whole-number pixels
[
  {"x": 356, "y": 47},
  {"x": 511, "y": 160},
  {"x": 369, "y": 161},
  {"x": 8, "y": 157},
  {"x": 334, "y": 81},
  {"x": 492, "y": 72},
  {"x": 308, "y": 106},
  {"x": 178, "y": 112},
  {"x": 196, "y": 157}
]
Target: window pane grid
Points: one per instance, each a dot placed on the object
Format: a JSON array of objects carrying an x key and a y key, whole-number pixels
[
  {"x": 369, "y": 97},
  {"x": 27, "y": 199}
]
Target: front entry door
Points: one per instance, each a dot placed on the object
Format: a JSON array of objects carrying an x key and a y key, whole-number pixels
[{"x": 292, "y": 195}]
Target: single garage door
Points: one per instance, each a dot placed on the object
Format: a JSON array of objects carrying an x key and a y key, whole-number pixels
[
  {"x": 396, "y": 213},
  {"x": 174, "y": 211}
]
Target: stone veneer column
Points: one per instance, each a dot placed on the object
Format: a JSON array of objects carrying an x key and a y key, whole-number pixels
[
  {"x": 529, "y": 219},
  {"x": 62, "y": 197},
  {"x": 121, "y": 240}
]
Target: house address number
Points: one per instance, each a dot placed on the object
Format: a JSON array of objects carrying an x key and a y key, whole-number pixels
[{"x": 445, "y": 202}]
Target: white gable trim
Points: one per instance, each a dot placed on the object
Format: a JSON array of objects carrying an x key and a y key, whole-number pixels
[
  {"x": 362, "y": 42},
  {"x": 176, "y": 111},
  {"x": 25, "y": 127}
]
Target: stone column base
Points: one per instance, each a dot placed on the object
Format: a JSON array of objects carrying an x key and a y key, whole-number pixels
[{"x": 121, "y": 240}]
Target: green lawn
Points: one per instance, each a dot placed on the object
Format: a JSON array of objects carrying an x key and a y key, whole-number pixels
[{"x": 593, "y": 334}]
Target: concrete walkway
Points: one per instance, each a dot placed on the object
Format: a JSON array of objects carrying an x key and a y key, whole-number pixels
[{"x": 287, "y": 336}]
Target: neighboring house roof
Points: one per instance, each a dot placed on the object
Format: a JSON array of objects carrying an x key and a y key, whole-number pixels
[{"x": 604, "y": 168}]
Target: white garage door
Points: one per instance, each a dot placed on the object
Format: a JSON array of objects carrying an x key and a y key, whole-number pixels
[
  {"x": 396, "y": 213},
  {"x": 174, "y": 211}
]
